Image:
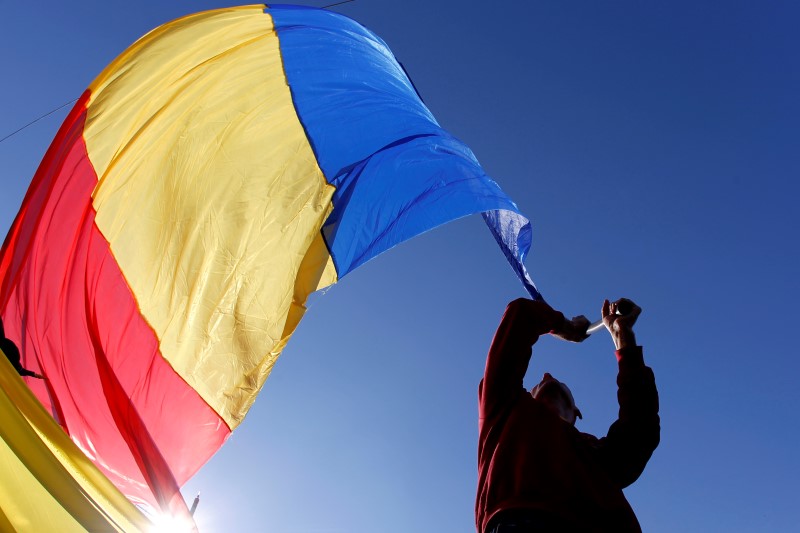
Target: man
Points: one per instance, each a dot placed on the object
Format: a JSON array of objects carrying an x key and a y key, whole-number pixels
[{"x": 536, "y": 472}]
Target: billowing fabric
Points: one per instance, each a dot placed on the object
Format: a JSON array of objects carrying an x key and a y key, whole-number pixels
[
  {"x": 378, "y": 144},
  {"x": 46, "y": 482},
  {"x": 224, "y": 167}
]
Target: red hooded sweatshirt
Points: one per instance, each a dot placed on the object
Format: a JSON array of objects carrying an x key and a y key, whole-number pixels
[{"x": 531, "y": 459}]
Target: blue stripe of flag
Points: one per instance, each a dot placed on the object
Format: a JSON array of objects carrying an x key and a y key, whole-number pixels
[{"x": 397, "y": 173}]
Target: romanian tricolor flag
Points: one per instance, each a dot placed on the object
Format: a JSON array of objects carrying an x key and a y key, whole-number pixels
[{"x": 224, "y": 167}]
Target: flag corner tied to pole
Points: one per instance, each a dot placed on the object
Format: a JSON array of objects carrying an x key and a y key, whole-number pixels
[{"x": 221, "y": 169}]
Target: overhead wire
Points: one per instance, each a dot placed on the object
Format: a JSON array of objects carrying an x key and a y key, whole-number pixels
[
  {"x": 34, "y": 121},
  {"x": 337, "y": 4}
]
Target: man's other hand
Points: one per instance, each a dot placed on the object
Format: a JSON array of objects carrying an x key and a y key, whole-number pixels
[{"x": 573, "y": 330}]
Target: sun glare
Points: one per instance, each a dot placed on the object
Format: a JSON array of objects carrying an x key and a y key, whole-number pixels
[{"x": 167, "y": 523}]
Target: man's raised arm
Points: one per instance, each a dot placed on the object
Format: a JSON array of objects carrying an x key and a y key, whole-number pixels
[
  {"x": 632, "y": 439},
  {"x": 522, "y": 324}
]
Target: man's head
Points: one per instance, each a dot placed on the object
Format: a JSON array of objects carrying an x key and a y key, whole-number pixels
[{"x": 557, "y": 397}]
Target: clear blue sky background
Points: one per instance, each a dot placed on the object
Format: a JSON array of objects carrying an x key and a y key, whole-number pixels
[{"x": 656, "y": 148}]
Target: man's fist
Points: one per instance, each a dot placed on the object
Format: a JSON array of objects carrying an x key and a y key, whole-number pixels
[
  {"x": 573, "y": 330},
  {"x": 619, "y": 318}
]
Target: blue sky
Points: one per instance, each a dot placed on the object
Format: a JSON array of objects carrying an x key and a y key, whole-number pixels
[{"x": 654, "y": 147}]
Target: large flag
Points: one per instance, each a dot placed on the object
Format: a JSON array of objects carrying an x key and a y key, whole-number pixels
[{"x": 224, "y": 167}]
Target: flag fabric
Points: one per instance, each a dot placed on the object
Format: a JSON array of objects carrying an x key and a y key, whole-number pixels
[
  {"x": 46, "y": 482},
  {"x": 224, "y": 167}
]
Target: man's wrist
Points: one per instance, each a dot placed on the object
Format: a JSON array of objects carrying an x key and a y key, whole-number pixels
[
  {"x": 624, "y": 339},
  {"x": 560, "y": 325},
  {"x": 630, "y": 356}
]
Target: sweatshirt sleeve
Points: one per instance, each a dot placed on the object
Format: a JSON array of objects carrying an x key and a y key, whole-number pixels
[
  {"x": 632, "y": 439},
  {"x": 522, "y": 324}
]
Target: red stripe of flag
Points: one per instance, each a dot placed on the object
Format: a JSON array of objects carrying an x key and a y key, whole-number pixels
[{"x": 66, "y": 303}]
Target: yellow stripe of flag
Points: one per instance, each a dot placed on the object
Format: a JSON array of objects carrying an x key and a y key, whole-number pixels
[{"x": 210, "y": 197}]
